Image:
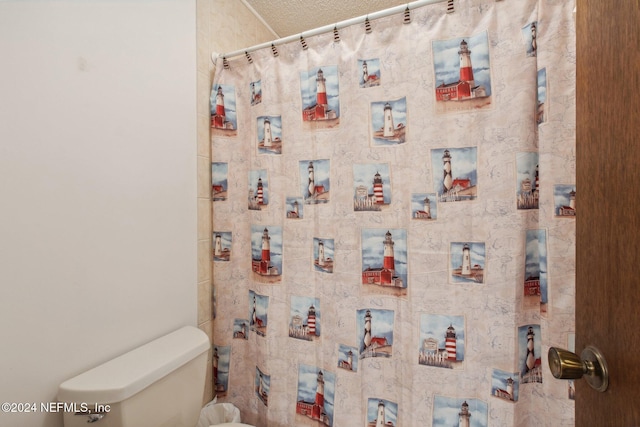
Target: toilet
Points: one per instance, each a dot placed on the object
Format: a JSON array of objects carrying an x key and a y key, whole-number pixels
[{"x": 159, "y": 384}]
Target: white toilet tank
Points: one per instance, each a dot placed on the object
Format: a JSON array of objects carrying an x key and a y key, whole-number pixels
[{"x": 159, "y": 384}]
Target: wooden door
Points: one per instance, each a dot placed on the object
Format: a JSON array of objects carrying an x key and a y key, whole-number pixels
[{"x": 608, "y": 206}]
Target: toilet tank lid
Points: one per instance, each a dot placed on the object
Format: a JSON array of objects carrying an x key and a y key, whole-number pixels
[{"x": 126, "y": 375}]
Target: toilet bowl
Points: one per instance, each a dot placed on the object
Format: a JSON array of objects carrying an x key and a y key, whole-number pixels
[{"x": 159, "y": 384}]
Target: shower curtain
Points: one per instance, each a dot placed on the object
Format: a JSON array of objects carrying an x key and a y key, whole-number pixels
[{"x": 393, "y": 220}]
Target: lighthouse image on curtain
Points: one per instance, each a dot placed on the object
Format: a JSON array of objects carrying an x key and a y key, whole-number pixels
[
  {"x": 381, "y": 413},
  {"x": 389, "y": 122},
  {"x": 266, "y": 253},
  {"x": 535, "y": 272},
  {"x": 459, "y": 412},
  {"x": 462, "y": 73},
  {"x": 316, "y": 396},
  {"x": 504, "y": 385},
  {"x": 442, "y": 341},
  {"x": 384, "y": 261},
  {"x": 261, "y": 385},
  {"x": 527, "y": 171},
  {"x": 348, "y": 358},
  {"x": 564, "y": 197},
  {"x": 314, "y": 181},
  {"x": 375, "y": 332},
  {"x": 255, "y": 91},
  {"x": 529, "y": 354},
  {"x": 320, "y": 97},
  {"x": 467, "y": 262},
  {"x": 258, "y": 308},
  {"x": 371, "y": 186},
  {"x": 304, "y": 318},
  {"x": 222, "y": 245},
  {"x": 541, "y": 111},
  {"x": 530, "y": 35},
  {"x": 295, "y": 207},
  {"x": 269, "y": 134},
  {"x": 241, "y": 329},
  {"x": 369, "y": 72},
  {"x": 258, "y": 197},
  {"x": 221, "y": 361},
  {"x": 323, "y": 255},
  {"x": 424, "y": 206},
  {"x": 455, "y": 173},
  {"x": 224, "y": 120},
  {"x": 219, "y": 182}
]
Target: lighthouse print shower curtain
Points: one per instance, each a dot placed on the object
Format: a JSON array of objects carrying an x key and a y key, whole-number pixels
[{"x": 393, "y": 221}]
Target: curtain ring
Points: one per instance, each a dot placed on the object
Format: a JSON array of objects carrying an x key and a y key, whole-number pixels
[
  {"x": 249, "y": 58},
  {"x": 367, "y": 25},
  {"x": 336, "y": 35},
  {"x": 303, "y": 43},
  {"x": 407, "y": 16},
  {"x": 225, "y": 63},
  {"x": 450, "y": 6},
  {"x": 274, "y": 50}
]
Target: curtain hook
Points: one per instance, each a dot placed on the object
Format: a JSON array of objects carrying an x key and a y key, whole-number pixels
[
  {"x": 367, "y": 25},
  {"x": 274, "y": 50},
  {"x": 303, "y": 43},
  {"x": 407, "y": 16},
  {"x": 225, "y": 63},
  {"x": 336, "y": 35},
  {"x": 450, "y": 6},
  {"x": 249, "y": 58}
]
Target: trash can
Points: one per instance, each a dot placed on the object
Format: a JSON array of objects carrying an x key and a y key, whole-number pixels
[{"x": 215, "y": 413}]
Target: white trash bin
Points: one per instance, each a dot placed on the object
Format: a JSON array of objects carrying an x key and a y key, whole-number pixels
[{"x": 215, "y": 413}]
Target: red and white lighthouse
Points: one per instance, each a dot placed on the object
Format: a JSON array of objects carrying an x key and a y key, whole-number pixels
[
  {"x": 220, "y": 103},
  {"x": 378, "y": 189},
  {"x": 321, "y": 89},
  {"x": 319, "y": 402},
  {"x": 450, "y": 343},
  {"x": 466, "y": 72},
  {"x": 389, "y": 258},
  {"x": 266, "y": 247},
  {"x": 311, "y": 320},
  {"x": 260, "y": 193}
]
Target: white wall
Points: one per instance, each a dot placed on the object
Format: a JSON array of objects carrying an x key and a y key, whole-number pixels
[{"x": 97, "y": 186}]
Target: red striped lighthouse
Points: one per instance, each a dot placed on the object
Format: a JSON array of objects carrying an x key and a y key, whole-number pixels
[
  {"x": 377, "y": 189},
  {"x": 450, "y": 343},
  {"x": 466, "y": 72},
  {"x": 389, "y": 258},
  {"x": 311, "y": 320},
  {"x": 260, "y": 192}
]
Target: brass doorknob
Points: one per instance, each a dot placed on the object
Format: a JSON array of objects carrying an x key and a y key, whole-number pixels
[{"x": 590, "y": 364}]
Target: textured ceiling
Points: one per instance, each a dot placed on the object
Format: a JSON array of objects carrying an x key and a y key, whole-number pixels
[{"x": 289, "y": 17}]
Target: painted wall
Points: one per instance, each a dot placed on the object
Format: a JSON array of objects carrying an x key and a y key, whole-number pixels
[{"x": 98, "y": 169}]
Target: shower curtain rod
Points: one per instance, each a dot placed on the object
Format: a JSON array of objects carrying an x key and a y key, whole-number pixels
[{"x": 328, "y": 28}]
